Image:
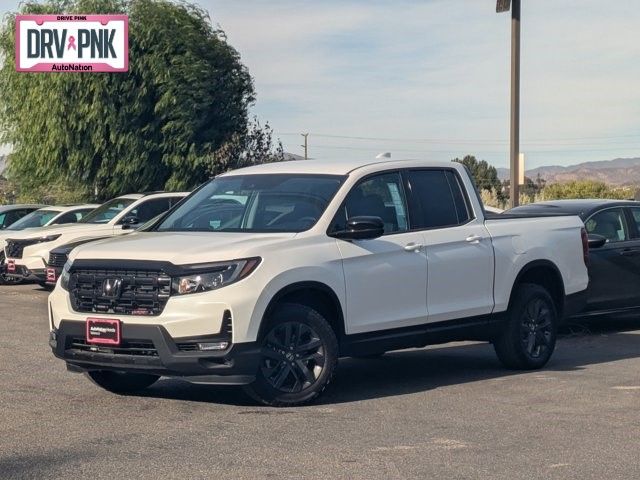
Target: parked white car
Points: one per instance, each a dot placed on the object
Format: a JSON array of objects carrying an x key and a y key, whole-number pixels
[
  {"x": 266, "y": 275},
  {"x": 42, "y": 217},
  {"x": 27, "y": 252}
]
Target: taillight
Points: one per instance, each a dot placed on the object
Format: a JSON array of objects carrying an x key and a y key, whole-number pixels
[{"x": 585, "y": 246}]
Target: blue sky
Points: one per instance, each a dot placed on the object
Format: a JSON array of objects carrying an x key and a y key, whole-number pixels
[{"x": 431, "y": 78}]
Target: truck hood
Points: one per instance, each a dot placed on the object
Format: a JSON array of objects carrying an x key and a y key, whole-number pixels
[{"x": 180, "y": 248}]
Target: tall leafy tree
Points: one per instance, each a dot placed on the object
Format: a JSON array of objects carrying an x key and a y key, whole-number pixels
[
  {"x": 156, "y": 127},
  {"x": 485, "y": 175}
]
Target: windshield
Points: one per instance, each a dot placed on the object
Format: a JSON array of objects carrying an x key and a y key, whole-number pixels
[
  {"x": 255, "y": 203},
  {"x": 106, "y": 212},
  {"x": 39, "y": 218}
]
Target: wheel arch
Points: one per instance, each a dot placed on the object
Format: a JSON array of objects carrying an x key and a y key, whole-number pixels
[
  {"x": 546, "y": 274},
  {"x": 316, "y": 295}
]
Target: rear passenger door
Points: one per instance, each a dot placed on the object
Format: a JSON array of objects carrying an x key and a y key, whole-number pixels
[
  {"x": 458, "y": 246},
  {"x": 614, "y": 280}
]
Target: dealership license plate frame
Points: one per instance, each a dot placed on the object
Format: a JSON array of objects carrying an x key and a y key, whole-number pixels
[{"x": 111, "y": 340}]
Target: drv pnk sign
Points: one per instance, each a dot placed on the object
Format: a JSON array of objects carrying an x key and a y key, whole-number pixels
[{"x": 72, "y": 43}]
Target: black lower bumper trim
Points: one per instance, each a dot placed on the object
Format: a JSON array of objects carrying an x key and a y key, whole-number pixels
[{"x": 237, "y": 365}]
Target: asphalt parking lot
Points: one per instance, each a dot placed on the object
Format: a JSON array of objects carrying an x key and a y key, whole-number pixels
[{"x": 442, "y": 412}]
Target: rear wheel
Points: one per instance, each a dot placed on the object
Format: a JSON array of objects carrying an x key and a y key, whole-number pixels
[
  {"x": 121, "y": 382},
  {"x": 529, "y": 338},
  {"x": 299, "y": 353}
]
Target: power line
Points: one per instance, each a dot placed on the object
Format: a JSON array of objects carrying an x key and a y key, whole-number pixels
[{"x": 538, "y": 142}]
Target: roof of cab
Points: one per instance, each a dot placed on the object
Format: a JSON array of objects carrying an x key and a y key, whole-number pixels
[{"x": 329, "y": 167}]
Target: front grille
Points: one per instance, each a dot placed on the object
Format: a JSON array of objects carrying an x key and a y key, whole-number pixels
[
  {"x": 141, "y": 348},
  {"x": 15, "y": 248},
  {"x": 140, "y": 292},
  {"x": 57, "y": 259}
]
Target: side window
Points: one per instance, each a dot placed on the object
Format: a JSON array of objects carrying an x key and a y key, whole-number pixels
[
  {"x": 436, "y": 199},
  {"x": 3, "y": 217},
  {"x": 150, "y": 209},
  {"x": 13, "y": 216},
  {"x": 81, "y": 213},
  {"x": 635, "y": 213},
  {"x": 380, "y": 196},
  {"x": 69, "y": 217},
  {"x": 608, "y": 223}
]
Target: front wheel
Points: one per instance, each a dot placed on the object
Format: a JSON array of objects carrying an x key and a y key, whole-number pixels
[
  {"x": 299, "y": 353},
  {"x": 529, "y": 336},
  {"x": 121, "y": 382}
]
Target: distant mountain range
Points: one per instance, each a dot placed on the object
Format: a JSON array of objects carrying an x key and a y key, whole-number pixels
[{"x": 620, "y": 171}]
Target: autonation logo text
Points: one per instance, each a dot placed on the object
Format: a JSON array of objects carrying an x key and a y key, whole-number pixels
[{"x": 72, "y": 43}]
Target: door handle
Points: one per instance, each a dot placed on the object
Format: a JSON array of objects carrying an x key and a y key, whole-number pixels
[
  {"x": 473, "y": 238},
  {"x": 413, "y": 247},
  {"x": 629, "y": 253}
]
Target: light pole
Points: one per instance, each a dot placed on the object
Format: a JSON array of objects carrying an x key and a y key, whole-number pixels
[{"x": 514, "y": 137}]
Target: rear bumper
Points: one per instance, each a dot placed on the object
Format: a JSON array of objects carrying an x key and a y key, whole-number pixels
[
  {"x": 575, "y": 304},
  {"x": 163, "y": 355}
]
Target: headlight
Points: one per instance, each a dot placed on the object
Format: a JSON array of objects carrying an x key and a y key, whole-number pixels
[
  {"x": 213, "y": 276},
  {"x": 64, "y": 276}
]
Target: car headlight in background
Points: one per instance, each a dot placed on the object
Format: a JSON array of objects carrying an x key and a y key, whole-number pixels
[
  {"x": 64, "y": 276},
  {"x": 214, "y": 276}
]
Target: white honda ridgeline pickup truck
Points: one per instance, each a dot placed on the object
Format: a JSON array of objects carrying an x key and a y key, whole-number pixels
[{"x": 265, "y": 276}]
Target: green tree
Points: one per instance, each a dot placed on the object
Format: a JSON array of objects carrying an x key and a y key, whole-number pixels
[
  {"x": 158, "y": 126},
  {"x": 585, "y": 189},
  {"x": 252, "y": 146},
  {"x": 485, "y": 176}
]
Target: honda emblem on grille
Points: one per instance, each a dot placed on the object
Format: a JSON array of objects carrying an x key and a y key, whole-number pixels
[{"x": 112, "y": 287}]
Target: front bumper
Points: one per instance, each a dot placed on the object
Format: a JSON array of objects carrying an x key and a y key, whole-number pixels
[
  {"x": 150, "y": 349},
  {"x": 21, "y": 272}
]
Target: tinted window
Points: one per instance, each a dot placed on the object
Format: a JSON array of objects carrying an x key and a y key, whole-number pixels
[
  {"x": 608, "y": 223},
  {"x": 13, "y": 216},
  {"x": 106, "y": 212},
  {"x": 437, "y": 199},
  {"x": 635, "y": 212},
  {"x": 69, "y": 217},
  {"x": 150, "y": 209},
  {"x": 380, "y": 196},
  {"x": 39, "y": 218},
  {"x": 255, "y": 203}
]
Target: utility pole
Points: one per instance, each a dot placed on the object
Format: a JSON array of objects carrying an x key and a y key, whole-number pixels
[
  {"x": 514, "y": 137},
  {"x": 305, "y": 145}
]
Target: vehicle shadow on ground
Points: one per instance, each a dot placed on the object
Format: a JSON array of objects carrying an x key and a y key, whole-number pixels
[{"x": 413, "y": 371}]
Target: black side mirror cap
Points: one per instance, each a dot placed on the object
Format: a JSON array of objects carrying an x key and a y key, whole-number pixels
[
  {"x": 596, "y": 241},
  {"x": 361, "y": 228}
]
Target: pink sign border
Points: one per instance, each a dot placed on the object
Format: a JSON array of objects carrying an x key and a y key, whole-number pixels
[{"x": 97, "y": 66}]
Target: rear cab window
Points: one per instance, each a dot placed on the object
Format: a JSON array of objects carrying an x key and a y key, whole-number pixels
[{"x": 436, "y": 199}]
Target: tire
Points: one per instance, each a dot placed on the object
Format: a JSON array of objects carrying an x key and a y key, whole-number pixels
[
  {"x": 121, "y": 382},
  {"x": 529, "y": 336},
  {"x": 292, "y": 373}
]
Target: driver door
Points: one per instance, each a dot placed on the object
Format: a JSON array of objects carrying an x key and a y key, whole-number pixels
[{"x": 386, "y": 277}]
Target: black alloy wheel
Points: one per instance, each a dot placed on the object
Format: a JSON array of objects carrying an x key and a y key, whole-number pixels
[
  {"x": 529, "y": 334},
  {"x": 537, "y": 328},
  {"x": 298, "y": 355},
  {"x": 293, "y": 357}
]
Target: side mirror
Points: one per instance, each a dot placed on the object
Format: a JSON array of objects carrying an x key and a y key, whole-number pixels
[
  {"x": 129, "y": 222},
  {"x": 596, "y": 241},
  {"x": 361, "y": 228}
]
